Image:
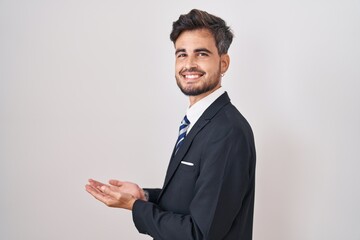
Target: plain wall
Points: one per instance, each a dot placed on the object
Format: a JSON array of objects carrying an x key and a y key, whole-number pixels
[{"x": 87, "y": 89}]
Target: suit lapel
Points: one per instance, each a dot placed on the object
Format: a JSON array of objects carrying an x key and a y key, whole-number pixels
[{"x": 205, "y": 118}]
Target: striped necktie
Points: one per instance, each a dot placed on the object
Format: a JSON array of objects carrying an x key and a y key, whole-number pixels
[{"x": 185, "y": 123}]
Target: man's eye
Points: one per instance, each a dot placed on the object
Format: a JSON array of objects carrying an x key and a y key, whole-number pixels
[
  {"x": 181, "y": 55},
  {"x": 202, "y": 54}
]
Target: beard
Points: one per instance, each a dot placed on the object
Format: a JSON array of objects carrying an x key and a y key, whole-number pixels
[{"x": 206, "y": 85}]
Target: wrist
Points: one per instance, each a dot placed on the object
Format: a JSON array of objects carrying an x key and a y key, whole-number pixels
[
  {"x": 145, "y": 195},
  {"x": 131, "y": 203}
]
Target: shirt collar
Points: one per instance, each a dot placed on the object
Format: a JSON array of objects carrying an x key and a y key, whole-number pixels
[{"x": 194, "y": 112}]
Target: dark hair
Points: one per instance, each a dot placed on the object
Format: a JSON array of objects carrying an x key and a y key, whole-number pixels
[{"x": 197, "y": 19}]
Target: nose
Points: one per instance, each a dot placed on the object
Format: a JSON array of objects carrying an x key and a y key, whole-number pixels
[{"x": 190, "y": 62}]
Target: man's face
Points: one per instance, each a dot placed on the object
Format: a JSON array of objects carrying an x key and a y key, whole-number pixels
[{"x": 198, "y": 66}]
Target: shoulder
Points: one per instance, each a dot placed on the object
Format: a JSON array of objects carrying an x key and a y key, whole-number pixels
[{"x": 229, "y": 121}]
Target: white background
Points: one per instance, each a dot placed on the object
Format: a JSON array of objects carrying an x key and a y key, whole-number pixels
[{"x": 87, "y": 89}]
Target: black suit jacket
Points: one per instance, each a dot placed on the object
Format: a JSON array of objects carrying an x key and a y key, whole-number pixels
[{"x": 210, "y": 182}]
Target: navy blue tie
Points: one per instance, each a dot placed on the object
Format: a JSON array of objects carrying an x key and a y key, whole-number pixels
[{"x": 185, "y": 123}]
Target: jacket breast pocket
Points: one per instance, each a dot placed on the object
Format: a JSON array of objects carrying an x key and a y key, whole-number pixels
[{"x": 187, "y": 166}]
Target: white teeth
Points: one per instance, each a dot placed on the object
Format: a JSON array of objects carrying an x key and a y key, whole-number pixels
[{"x": 192, "y": 76}]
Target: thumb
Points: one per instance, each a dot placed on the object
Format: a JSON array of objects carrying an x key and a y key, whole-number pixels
[{"x": 116, "y": 183}]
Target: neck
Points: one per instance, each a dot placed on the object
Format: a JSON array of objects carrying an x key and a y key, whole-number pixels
[{"x": 195, "y": 99}]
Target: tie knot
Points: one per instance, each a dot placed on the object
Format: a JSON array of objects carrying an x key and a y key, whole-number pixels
[{"x": 185, "y": 121}]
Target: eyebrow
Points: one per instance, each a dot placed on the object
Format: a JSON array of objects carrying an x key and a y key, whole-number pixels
[
  {"x": 203, "y": 50},
  {"x": 179, "y": 50},
  {"x": 196, "y": 50}
]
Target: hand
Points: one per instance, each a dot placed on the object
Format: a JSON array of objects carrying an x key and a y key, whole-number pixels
[
  {"x": 112, "y": 195},
  {"x": 129, "y": 187},
  {"x": 125, "y": 187}
]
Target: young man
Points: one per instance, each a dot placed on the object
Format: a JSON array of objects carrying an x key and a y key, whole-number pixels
[{"x": 209, "y": 186}]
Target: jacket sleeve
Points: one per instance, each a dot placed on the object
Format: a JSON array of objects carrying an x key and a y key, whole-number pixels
[{"x": 220, "y": 188}]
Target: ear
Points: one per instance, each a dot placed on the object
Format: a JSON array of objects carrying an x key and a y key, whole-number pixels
[{"x": 225, "y": 62}]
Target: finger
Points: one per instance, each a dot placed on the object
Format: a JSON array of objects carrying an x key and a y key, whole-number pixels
[
  {"x": 116, "y": 182},
  {"x": 91, "y": 188},
  {"x": 107, "y": 200},
  {"x": 95, "y": 183},
  {"x": 93, "y": 191},
  {"x": 108, "y": 191}
]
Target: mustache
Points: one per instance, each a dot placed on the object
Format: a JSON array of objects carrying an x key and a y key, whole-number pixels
[{"x": 192, "y": 69}]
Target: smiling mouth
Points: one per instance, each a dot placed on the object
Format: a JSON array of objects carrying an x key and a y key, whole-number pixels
[{"x": 192, "y": 76}]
